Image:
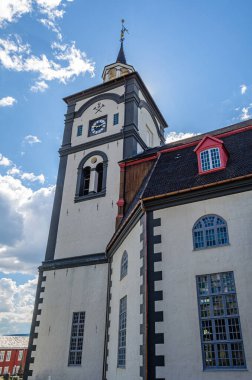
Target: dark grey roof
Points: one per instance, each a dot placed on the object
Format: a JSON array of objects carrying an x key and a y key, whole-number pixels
[
  {"x": 178, "y": 169},
  {"x": 121, "y": 56}
]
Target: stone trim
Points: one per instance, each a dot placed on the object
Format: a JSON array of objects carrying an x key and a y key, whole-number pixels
[
  {"x": 76, "y": 261},
  {"x": 107, "y": 95},
  {"x": 34, "y": 334},
  {"x": 154, "y": 317},
  {"x": 107, "y": 327},
  {"x": 90, "y": 144},
  {"x": 53, "y": 231},
  {"x": 142, "y": 253}
]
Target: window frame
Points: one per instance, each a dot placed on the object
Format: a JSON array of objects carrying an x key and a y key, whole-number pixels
[
  {"x": 210, "y": 159},
  {"x": 79, "y": 130},
  {"x": 20, "y": 354},
  {"x": 78, "y": 335},
  {"x": 124, "y": 265},
  {"x": 213, "y": 318},
  {"x": 204, "y": 229},
  {"x": 8, "y": 356},
  {"x": 78, "y": 197},
  {"x": 116, "y": 118},
  {"x": 2, "y": 355},
  {"x": 121, "y": 332}
]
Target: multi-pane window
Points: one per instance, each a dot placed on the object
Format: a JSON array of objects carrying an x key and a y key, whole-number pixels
[
  {"x": 210, "y": 159},
  {"x": 210, "y": 231},
  {"x": 79, "y": 130},
  {"x": 121, "y": 356},
  {"x": 2, "y": 356},
  {"x": 76, "y": 341},
  {"x": 8, "y": 356},
  {"x": 116, "y": 119},
  {"x": 221, "y": 338},
  {"x": 20, "y": 355},
  {"x": 124, "y": 264}
]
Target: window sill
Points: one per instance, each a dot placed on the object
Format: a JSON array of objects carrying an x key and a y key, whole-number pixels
[
  {"x": 216, "y": 246},
  {"x": 242, "y": 369},
  {"x": 89, "y": 196}
]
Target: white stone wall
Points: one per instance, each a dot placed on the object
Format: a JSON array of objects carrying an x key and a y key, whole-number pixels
[
  {"x": 86, "y": 227},
  {"x": 181, "y": 264},
  {"x": 129, "y": 286},
  {"x": 67, "y": 291},
  {"x": 109, "y": 109},
  {"x": 144, "y": 120}
]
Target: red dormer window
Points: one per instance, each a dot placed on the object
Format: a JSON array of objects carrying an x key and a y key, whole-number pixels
[{"x": 212, "y": 155}]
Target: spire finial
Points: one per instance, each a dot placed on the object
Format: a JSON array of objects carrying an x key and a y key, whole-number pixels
[{"x": 123, "y": 30}]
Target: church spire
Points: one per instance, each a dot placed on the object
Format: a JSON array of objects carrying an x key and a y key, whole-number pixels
[
  {"x": 121, "y": 56},
  {"x": 120, "y": 67}
]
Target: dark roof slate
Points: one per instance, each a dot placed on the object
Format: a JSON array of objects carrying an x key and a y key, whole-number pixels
[{"x": 178, "y": 170}]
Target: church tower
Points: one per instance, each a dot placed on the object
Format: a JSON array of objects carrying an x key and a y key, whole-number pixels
[{"x": 103, "y": 125}]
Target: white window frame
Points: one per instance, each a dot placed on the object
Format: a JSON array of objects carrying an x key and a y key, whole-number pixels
[
  {"x": 20, "y": 354},
  {"x": 2, "y": 354},
  {"x": 8, "y": 356},
  {"x": 211, "y": 163}
]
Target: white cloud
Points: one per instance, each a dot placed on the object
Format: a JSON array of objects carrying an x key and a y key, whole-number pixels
[
  {"x": 13, "y": 171},
  {"x": 68, "y": 63},
  {"x": 30, "y": 139},
  {"x": 40, "y": 86},
  {"x": 243, "y": 88},
  {"x": 11, "y": 10},
  {"x": 4, "y": 161},
  {"x": 17, "y": 302},
  {"x": 245, "y": 115},
  {"x": 33, "y": 178},
  {"x": 7, "y": 101},
  {"x": 51, "y": 10},
  {"x": 175, "y": 136},
  {"x": 24, "y": 223}
]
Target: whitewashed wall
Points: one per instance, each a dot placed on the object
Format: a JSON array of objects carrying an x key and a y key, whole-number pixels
[
  {"x": 181, "y": 264},
  {"x": 67, "y": 291},
  {"x": 129, "y": 286}
]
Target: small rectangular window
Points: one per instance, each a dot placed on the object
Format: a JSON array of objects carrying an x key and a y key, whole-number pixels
[
  {"x": 116, "y": 119},
  {"x": 20, "y": 355},
  {"x": 79, "y": 130},
  {"x": 8, "y": 356},
  {"x": 121, "y": 357},
  {"x": 76, "y": 341},
  {"x": 2, "y": 356},
  {"x": 221, "y": 338}
]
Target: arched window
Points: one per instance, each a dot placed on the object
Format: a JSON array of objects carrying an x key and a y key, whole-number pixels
[
  {"x": 99, "y": 171},
  {"x": 85, "y": 180},
  {"x": 210, "y": 231},
  {"x": 124, "y": 264},
  {"x": 91, "y": 178}
]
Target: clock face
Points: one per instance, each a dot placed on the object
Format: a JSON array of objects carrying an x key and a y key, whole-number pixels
[{"x": 97, "y": 126}]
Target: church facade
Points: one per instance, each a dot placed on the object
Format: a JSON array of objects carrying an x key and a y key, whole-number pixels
[{"x": 147, "y": 272}]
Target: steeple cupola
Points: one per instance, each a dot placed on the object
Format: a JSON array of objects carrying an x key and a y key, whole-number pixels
[{"x": 120, "y": 67}]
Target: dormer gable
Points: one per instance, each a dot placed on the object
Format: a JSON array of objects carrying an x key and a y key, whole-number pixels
[{"x": 211, "y": 154}]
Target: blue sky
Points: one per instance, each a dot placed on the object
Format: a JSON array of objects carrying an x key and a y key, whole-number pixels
[{"x": 194, "y": 56}]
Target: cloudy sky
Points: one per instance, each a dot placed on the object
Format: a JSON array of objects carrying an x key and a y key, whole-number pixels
[{"x": 194, "y": 56}]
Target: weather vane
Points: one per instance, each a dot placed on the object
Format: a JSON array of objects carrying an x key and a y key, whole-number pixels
[{"x": 123, "y": 30}]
